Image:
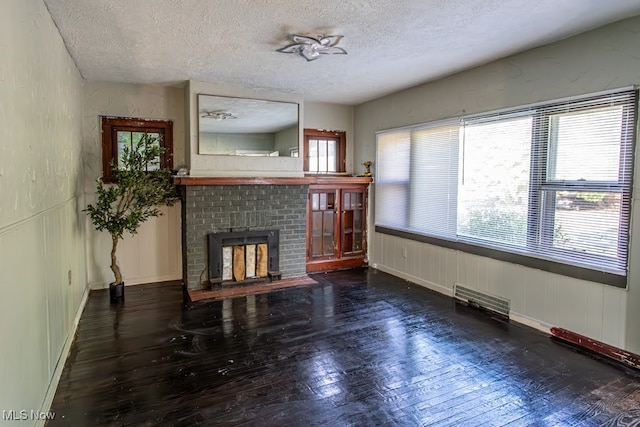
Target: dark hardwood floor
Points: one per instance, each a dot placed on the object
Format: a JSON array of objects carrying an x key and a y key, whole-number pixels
[{"x": 360, "y": 348}]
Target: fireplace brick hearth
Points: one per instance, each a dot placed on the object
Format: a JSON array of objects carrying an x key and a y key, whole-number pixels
[{"x": 234, "y": 208}]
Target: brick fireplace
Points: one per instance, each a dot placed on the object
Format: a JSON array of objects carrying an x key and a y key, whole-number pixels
[{"x": 236, "y": 205}]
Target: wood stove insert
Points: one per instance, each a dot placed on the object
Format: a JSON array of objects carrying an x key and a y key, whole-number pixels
[{"x": 244, "y": 256}]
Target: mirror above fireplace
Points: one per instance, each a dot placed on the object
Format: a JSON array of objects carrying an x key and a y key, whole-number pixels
[{"x": 247, "y": 127}]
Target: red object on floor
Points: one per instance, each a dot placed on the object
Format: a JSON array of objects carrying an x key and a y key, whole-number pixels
[{"x": 607, "y": 350}]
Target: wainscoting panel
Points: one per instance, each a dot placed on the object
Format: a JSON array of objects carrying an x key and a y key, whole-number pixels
[{"x": 43, "y": 283}]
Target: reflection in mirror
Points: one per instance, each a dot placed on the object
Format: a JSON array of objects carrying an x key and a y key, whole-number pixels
[{"x": 247, "y": 127}]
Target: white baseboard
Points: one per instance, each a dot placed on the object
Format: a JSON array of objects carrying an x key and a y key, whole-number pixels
[
  {"x": 138, "y": 281},
  {"x": 531, "y": 322}
]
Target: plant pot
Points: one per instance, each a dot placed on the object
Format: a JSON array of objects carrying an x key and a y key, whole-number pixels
[{"x": 116, "y": 292}]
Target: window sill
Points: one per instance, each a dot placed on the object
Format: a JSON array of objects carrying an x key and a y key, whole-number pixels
[
  {"x": 327, "y": 174},
  {"x": 555, "y": 267}
]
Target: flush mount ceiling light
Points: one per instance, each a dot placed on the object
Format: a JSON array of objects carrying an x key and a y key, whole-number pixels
[
  {"x": 311, "y": 48},
  {"x": 218, "y": 115}
]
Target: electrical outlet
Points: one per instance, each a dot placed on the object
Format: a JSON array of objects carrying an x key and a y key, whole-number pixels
[{"x": 69, "y": 276}]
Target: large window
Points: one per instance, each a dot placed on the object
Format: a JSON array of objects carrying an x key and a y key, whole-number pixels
[
  {"x": 118, "y": 133},
  {"x": 547, "y": 185},
  {"x": 324, "y": 151}
]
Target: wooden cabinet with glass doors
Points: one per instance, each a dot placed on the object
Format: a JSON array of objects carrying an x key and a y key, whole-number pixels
[{"x": 336, "y": 223}]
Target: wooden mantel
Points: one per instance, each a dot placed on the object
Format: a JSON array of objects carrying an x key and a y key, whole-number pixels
[{"x": 306, "y": 180}]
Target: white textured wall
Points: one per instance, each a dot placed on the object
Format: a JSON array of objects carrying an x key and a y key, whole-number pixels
[
  {"x": 42, "y": 269},
  {"x": 602, "y": 59},
  {"x": 154, "y": 253}
]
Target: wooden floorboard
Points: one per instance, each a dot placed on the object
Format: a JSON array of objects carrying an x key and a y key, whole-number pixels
[{"x": 358, "y": 347}]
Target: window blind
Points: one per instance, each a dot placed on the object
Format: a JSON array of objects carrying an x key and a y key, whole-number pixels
[{"x": 551, "y": 181}]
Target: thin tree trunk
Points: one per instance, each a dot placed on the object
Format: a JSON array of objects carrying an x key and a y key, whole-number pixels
[{"x": 114, "y": 263}]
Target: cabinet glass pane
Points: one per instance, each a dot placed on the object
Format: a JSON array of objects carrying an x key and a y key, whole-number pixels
[
  {"x": 357, "y": 242},
  {"x": 347, "y": 243},
  {"x": 357, "y": 220},
  {"x": 315, "y": 201},
  {"x": 316, "y": 221},
  {"x": 346, "y": 201},
  {"x": 316, "y": 234},
  {"x": 347, "y": 221},
  {"x": 328, "y": 233},
  {"x": 323, "y": 201},
  {"x": 316, "y": 246}
]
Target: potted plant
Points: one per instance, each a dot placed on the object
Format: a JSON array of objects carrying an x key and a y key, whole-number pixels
[{"x": 140, "y": 186}]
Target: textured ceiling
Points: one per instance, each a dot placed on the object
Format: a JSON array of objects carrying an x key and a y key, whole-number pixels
[{"x": 391, "y": 44}]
